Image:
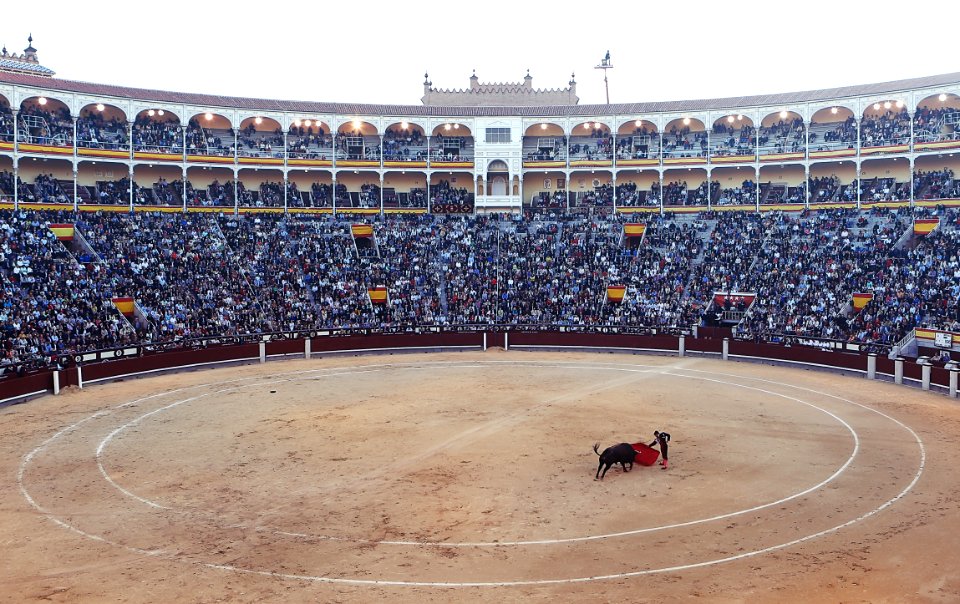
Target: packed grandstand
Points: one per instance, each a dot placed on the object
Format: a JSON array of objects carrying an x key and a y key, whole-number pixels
[{"x": 826, "y": 215}]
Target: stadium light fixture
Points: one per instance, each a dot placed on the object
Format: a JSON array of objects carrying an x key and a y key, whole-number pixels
[
  {"x": 404, "y": 125},
  {"x": 730, "y": 119},
  {"x": 586, "y": 126},
  {"x": 686, "y": 121},
  {"x": 456, "y": 126},
  {"x": 638, "y": 123},
  {"x": 740, "y": 118},
  {"x": 151, "y": 113},
  {"x": 447, "y": 126},
  {"x": 307, "y": 123},
  {"x": 42, "y": 100},
  {"x": 208, "y": 116},
  {"x": 783, "y": 114},
  {"x": 597, "y": 125},
  {"x": 543, "y": 126},
  {"x": 297, "y": 123},
  {"x": 356, "y": 124},
  {"x": 833, "y": 110},
  {"x": 258, "y": 120},
  {"x": 876, "y": 105},
  {"x": 899, "y": 104},
  {"x": 887, "y": 105},
  {"x": 942, "y": 97},
  {"x": 100, "y": 107},
  {"x": 160, "y": 112}
]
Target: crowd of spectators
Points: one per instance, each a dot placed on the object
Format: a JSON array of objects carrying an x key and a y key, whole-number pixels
[
  {"x": 202, "y": 275},
  {"x": 888, "y": 128},
  {"x": 930, "y": 125},
  {"x": 784, "y": 136},
  {"x": 43, "y": 127},
  {"x": 95, "y": 132},
  {"x": 404, "y": 145},
  {"x": 157, "y": 136},
  {"x": 833, "y": 135},
  {"x": 935, "y": 184},
  {"x": 732, "y": 140}
]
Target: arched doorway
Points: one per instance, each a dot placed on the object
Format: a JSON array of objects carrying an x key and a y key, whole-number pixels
[{"x": 497, "y": 175}]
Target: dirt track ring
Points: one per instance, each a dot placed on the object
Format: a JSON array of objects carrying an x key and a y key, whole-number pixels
[{"x": 724, "y": 379}]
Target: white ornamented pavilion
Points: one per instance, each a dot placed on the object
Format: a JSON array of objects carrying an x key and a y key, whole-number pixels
[{"x": 873, "y": 138}]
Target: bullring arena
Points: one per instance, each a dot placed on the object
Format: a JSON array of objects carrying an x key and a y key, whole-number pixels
[
  {"x": 292, "y": 351},
  {"x": 469, "y": 477}
]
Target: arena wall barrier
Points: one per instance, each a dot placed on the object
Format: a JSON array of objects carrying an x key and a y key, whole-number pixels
[{"x": 105, "y": 366}]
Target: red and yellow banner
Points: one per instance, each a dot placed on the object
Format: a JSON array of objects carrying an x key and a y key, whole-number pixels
[
  {"x": 54, "y": 149},
  {"x": 103, "y": 153},
  {"x": 884, "y": 149},
  {"x": 158, "y": 156},
  {"x": 634, "y": 229},
  {"x": 124, "y": 305},
  {"x": 615, "y": 293},
  {"x": 321, "y": 163},
  {"x": 361, "y": 230},
  {"x": 733, "y": 159},
  {"x": 591, "y": 163},
  {"x": 531, "y": 164},
  {"x": 404, "y": 164},
  {"x": 833, "y": 153},
  {"x": 262, "y": 161},
  {"x": 626, "y": 163},
  {"x": 925, "y": 226},
  {"x": 378, "y": 295},
  {"x": 210, "y": 159},
  {"x": 64, "y": 232},
  {"x": 696, "y": 161},
  {"x": 434, "y": 163},
  {"x": 861, "y": 299}
]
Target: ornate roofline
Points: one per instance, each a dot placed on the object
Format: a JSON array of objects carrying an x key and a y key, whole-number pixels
[{"x": 162, "y": 96}]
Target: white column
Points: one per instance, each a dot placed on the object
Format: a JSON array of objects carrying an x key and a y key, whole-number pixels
[
  {"x": 954, "y": 371},
  {"x": 898, "y": 371},
  {"x": 306, "y": 348},
  {"x": 925, "y": 374},
  {"x": 726, "y": 349},
  {"x": 56, "y": 382},
  {"x": 683, "y": 345},
  {"x": 263, "y": 352},
  {"x": 79, "y": 377},
  {"x": 872, "y": 366}
]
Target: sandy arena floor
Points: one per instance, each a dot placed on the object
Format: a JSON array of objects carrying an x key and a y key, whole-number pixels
[{"x": 469, "y": 477}]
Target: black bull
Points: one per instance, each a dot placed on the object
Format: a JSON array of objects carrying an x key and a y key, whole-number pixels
[{"x": 622, "y": 454}]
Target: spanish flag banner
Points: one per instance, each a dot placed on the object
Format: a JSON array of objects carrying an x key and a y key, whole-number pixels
[
  {"x": 361, "y": 230},
  {"x": 378, "y": 295},
  {"x": 64, "y": 232},
  {"x": 615, "y": 293},
  {"x": 860, "y": 300},
  {"x": 925, "y": 226},
  {"x": 634, "y": 229},
  {"x": 124, "y": 305}
]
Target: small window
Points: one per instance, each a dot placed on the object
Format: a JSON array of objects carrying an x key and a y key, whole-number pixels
[{"x": 498, "y": 135}]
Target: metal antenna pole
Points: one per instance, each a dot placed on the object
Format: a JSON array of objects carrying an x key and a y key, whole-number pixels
[{"x": 605, "y": 64}]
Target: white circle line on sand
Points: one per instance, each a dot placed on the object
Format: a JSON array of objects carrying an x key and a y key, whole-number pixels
[
  {"x": 527, "y": 542},
  {"x": 26, "y": 460}
]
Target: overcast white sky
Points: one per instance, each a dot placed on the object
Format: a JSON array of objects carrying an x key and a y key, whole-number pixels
[{"x": 377, "y": 52}]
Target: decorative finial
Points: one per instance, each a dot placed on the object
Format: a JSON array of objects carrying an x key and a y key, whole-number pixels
[{"x": 30, "y": 39}]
